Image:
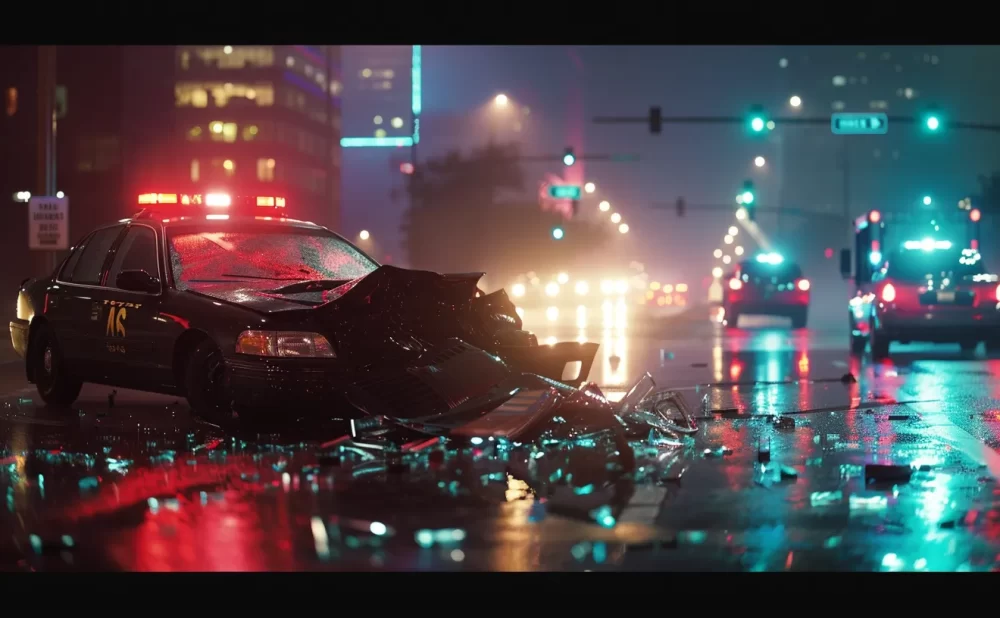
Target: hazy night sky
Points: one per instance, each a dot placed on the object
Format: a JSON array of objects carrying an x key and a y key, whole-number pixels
[{"x": 565, "y": 87}]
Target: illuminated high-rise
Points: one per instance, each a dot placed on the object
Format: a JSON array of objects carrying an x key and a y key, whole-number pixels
[
  {"x": 382, "y": 95},
  {"x": 261, "y": 118}
]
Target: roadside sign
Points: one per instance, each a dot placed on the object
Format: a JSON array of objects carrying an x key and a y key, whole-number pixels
[
  {"x": 859, "y": 124},
  {"x": 48, "y": 223},
  {"x": 564, "y": 192}
]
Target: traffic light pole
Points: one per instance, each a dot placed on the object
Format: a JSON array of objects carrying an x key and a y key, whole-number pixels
[
  {"x": 785, "y": 120},
  {"x": 696, "y": 208}
]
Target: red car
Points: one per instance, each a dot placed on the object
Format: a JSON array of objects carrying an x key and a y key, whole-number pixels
[{"x": 767, "y": 285}]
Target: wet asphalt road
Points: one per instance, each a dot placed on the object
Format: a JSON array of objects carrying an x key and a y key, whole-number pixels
[{"x": 144, "y": 486}]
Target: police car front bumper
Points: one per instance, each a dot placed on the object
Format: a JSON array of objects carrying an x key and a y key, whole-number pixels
[{"x": 19, "y": 336}]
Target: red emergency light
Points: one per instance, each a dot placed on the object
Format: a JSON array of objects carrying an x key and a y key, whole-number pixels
[{"x": 213, "y": 201}]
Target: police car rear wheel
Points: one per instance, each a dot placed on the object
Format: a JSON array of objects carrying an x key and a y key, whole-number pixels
[
  {"x": 205, "y": 383},
  {"x": 55, "y": 386}
]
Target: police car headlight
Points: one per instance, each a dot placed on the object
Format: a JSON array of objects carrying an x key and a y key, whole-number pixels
[{"x": 286, "y": 344}]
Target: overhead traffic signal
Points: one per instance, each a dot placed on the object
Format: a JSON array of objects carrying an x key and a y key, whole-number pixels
[
  {"x": 748, "y": 199},
  {"x": 655, "y": 120},
  {"x": 568, "y": 157},
  {"x": 557, "y": 233},
  {"x": 931, "y": 121},
  {"x": 757, "y": 121}
]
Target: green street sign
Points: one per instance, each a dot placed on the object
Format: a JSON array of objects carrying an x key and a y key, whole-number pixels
[
  {"x": 564, "y": 192},
  {"x": 859, "y": 124}
]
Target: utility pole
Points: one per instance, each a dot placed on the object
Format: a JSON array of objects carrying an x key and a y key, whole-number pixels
[{"x": 46, "y": 181}]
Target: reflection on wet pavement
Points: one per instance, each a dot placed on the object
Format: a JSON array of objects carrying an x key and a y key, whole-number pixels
[{"x": 796, "y": 466}]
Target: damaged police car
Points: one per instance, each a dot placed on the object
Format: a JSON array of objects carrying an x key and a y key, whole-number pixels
[{"x": 226, "y": 301}]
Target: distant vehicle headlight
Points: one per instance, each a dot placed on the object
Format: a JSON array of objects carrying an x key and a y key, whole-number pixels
[
  {"x": 552, "y": 288},
  {"x": 286, "y": 344},
  {"x": 517, "y": 289},
  {"x": 582, "y": 288}
]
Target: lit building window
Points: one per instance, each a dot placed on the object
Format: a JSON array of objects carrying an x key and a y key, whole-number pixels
[
  {"x": 289, "y": 62},
  {"x": 228, "y": 56},
  {"x": 386, "y": 85},
  {"x": 377, "y": 120},
  {"x": 223, "y": 131},
  {"x": 935, "y": 59},
  {"x": 379, "y": 132},
  {"x": 909, "y": 93},
  {"x": 783, "y": 63},
  {"x": 309, "y": 70},
  {"x": 265, "y": 170},
  {"x": 336, "y": 88},
  {"x": 838, "y": 106},
  {"x": 195, "y": 170},
  {"x": 899, "y": 68},
  {"x": 196, "y": 94},
  {"x": 839, "y": 80},
  {"x": 230, "y": 167},
  {"x": 862, "y": 55},
  {"x": 877, "y": 153},
  {"x": 397, "y": 123},
  {"x": 194, "y": 134},
  {"x": 879, "y": 104},
  {"x": 886, "y": 56},
  {"x": 11, "y": 101},
  {"x": 366, "y": 73},
  {"x": 250, "y": 132},
  {"x": 864, "y": 79}
]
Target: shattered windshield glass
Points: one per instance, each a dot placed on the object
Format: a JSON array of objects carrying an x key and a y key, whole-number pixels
[{"x": 262, "y": 252}]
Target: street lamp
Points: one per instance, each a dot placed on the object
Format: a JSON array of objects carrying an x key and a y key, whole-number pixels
[
  {"x": 501, "y": 100},
  {"x": 623, "y": 228},
  {"x": 927, "y": 200},
  {"x": 605, "y": 206},
  {"x": 364, "y": 235},
  {"x": 590, "y": 187},
  {"x": 616, "y": 218},
  {"x": 759, "y": 161},
  {"x": 795, "y": 101},
  {"x": 733, "y": 230}
]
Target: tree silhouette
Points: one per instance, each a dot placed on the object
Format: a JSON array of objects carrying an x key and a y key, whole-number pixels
[{"x": 458, "y": 220}]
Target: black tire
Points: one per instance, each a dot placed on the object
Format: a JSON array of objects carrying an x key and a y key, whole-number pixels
[
  {"x": 858, "y": 345},
  {"x": 205, "y": 384},
  {"x": 993, "y": 347},
  {"x": 800, "y": 317},
  {"x": 55, "y": 385},
  {"x": 968, "y": 346},
  {"x": 732, "y": 317},
  {"x": 880, "y": 345}
]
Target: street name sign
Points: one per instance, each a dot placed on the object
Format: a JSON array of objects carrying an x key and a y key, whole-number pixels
[
  {"x": 48, "y": 223},
  {"x": 564, "y": 192},
  {"x": 859, "y": 124}
]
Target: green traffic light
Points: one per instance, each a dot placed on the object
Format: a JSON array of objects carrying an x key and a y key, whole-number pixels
[
  {"x": 757, "y": 124},
  {"x": 557, "y": 233},
  {"x": 747, "y": 197},
  {"x": 569, "y": 159},
  {"x": 927, "y": 200},
  {"x": 933, "y": 123}
]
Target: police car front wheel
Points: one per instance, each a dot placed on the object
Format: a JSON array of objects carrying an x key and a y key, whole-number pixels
[{"x": 55, "y": 386}]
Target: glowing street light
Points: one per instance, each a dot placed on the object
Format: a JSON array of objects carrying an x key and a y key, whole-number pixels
[
  {"x": 590, "y": 187},
  {"x": 364, "y": 235},
  {"x": 717, "y": 272},
  {"x": 927, "y": 200},
  {"x": 741, "y": 214},
  {"x": 738, "y": 250},
  {"x": 623, "y": 228},
  {"x": 795, "y": 101},
  {"x": 501, "y": 100},
  {"x": 733, "y": 230},
  {"x": 605, "y": 206},
  {"x": 728, "y": 239},
  {"x": 759, "y": 161},
  {"x": 717, "y": 253},
  {"x": 616, "y": 218}
]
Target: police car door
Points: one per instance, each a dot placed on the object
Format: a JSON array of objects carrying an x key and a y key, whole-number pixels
[{"x": 134, "y": 286}]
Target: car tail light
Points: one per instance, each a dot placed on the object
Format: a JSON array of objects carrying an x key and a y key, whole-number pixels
[
  {"x": 735, "y": 284},
  {"x": 888, "y": 293},
  {"x": 804, "y": 284},
  {"x": 997, "y": 293}
]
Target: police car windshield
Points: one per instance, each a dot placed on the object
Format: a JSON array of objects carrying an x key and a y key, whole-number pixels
[
  {"x": 915, "y": 266},
  {"x": 264, "y": 253},
  {"x": 783, "y": 271}
]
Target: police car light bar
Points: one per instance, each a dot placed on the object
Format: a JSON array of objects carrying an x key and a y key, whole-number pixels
[
  {"x": 211, "y": 200},
  {"x": 770, "y": 258},
  {"x": 927, "y": 244}
]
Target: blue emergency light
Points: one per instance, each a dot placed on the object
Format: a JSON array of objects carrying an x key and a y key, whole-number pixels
[{"x": 770, "y": 258}]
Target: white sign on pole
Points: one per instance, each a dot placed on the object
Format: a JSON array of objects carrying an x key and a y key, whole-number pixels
[{"x": 48, "y": 223}]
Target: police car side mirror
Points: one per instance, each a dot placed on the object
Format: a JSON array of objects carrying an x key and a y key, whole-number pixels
[
  {"x": 137, "y": 281},
  {"x": 845, "y": 263}
]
